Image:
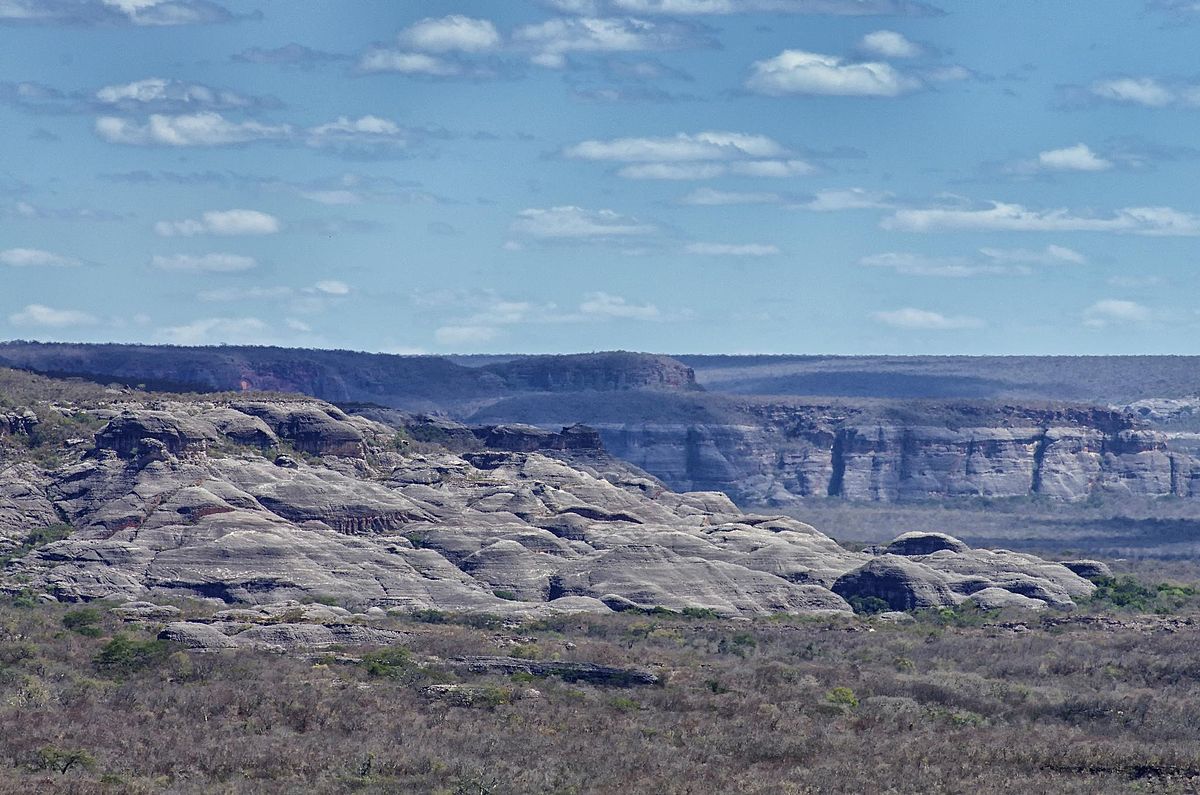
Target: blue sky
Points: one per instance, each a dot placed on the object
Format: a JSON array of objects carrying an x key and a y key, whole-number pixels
[{"x": 808, "y": 176}]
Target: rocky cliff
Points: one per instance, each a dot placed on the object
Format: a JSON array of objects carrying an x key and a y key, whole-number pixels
[
  {"x": 259, "y": 500},
  {"x": 772, "y": 453}
]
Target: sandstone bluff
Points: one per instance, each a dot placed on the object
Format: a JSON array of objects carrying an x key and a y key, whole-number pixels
[{"x": 264, "y": 499}]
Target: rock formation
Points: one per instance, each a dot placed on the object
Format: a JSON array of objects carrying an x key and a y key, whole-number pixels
[{"x": 204, "y": 499}]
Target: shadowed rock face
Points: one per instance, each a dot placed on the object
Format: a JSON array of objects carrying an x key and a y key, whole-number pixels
[{"x": 507, "y": 532}]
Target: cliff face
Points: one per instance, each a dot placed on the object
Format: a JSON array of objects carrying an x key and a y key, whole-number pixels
[{"x": 795, "y": 453}]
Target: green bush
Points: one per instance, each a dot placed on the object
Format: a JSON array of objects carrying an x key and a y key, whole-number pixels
[
  {"x": 868, "y": 605},
  {"x": 83, "y": 621},
  {"x": 842, "y": 696},
  {"x": 61, "y": 761},
  {"x": 123, "y": 655}
]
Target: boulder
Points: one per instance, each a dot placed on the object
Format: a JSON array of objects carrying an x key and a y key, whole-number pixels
[
  {"x": 902, "y": 583},
  {"x": 1088, "y": 569},
  {"x": 910, "y": 544}
]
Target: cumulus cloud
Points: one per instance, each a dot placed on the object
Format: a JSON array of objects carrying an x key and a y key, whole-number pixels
[
  {"x": 363, "y": 135},
  {"x": 910, "y": 264},
  {"x": 836, "y": 200},
  {"x": 1115, "y": 311},
  {"x": 575, "y": 223},
  {"x": 451, "y": 33},
  {"x": 551, "y": 41},
  {"x": 888, "y": 44},
  {"x": 1003, "y": 217},
  {"x": 1050, "y": 255},
  {"x": 48, "y": 317},
  {"x": 679, "y": 147},
  {"x": 381, "y": 59},
  {"x": 801, "y": 72},
  {"x": 204, "y": 263},
  {"x": 732, "y": 249},
  {"x": 366, "y": 134},
  {"x": 925, "y": 320},
  {"x": 219, "y": 330},
  {"x": 990, "y": 262},
  {"x": 603, "y": 305},
  {"x": 163, "y": 94},
  {"x": 726, "y": 7},
  {"x": 686, "y": 156},
  {"x": 1145, "y": 91},
  {"x": 222, "y": 222},
  {"x": 711, "y": 197},
  {"x": 1079, "y": 157},
  {"x": 113, "y": 13},
  {"x": 193, "y": 129},
  {"x": 35, "y": 258}
]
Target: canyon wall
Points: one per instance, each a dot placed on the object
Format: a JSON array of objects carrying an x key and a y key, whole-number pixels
[{"x": 774, "y": 463}]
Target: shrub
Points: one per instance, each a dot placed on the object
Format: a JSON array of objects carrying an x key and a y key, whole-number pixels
[
  {"x": 122, "y": 655},
  {"x": 83, "y": 621},
  {"x": 61, "y": 761},
  {"x": 842, "y": 696},
  {"x": 868, "y": 605},
  {"x": 507, "y": 595}
]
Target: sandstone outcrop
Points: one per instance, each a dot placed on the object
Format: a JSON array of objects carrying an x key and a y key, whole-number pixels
[{"x": 175, "y": 500}]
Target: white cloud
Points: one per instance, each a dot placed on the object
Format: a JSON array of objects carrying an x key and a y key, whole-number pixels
[
  {"x": 948, "y": 267},
  {"x": 673, "y": 171},
  {"x": 732, "y": 249},
  {"x": 455, "y": 32},
  {"x": 1114, "y": 311},
  {"x": 553, "y": 39},
  {"x": 1144, "y": 91},
  {"x": 408, "y": 63},
  {"x": 686, "y": 156},
  {"x": 297, "y": 325},
  {"x": 305, "y": 299},
  {"x": 603, "y": 305},
  {"x": 771, "y": 168},
  {"x": 924, "y": 320},
  {"x": 681, "y": 147},
  {"x": 828, "y": 7},
  {"x": 828, "y": 201},
  {"x": 195, "y": 129},
  {"x": 889, "y": 44},
  {"x": 34, "y": 258},
  {"x": 711, "y": 197},
  {"x": 332, "y": 197},
  {"x": 1079, "y": 157},
  {"x": 365, "y": 131},
  {"x": 569, "y": 222},
  {"x": 103, "y": 13},
  {"x": 1050, "y": 255},
  {"x": 213, "y": 129},
  {"x": 204, "y": 263},
  {"x": 465, "y": 335},
  {"x": 1152, "y": 221},
  {"x": 801, "y": 72},
  {"x": 222, "y": 222},
  {"x": 995, "y": 262},
  {"x": 213, "y": 330},
  {"x": 158, "y": 91},
  {"x": 48, "y": 317},
  {"x": 332, "y": 287}
]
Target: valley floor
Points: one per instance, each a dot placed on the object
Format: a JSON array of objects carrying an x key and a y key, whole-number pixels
[{"x": 1101, "y": 700}]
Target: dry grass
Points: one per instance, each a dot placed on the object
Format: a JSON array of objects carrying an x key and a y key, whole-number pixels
[{"x": 949, "y": 703}]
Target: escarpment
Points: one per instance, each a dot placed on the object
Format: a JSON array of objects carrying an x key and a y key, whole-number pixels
[
  {"x": 780, "y": 453},
  {"x": 260, "y": 500}
]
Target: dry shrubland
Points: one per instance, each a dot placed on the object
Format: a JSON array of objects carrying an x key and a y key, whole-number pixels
[{"x": 953, "y": 701}]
